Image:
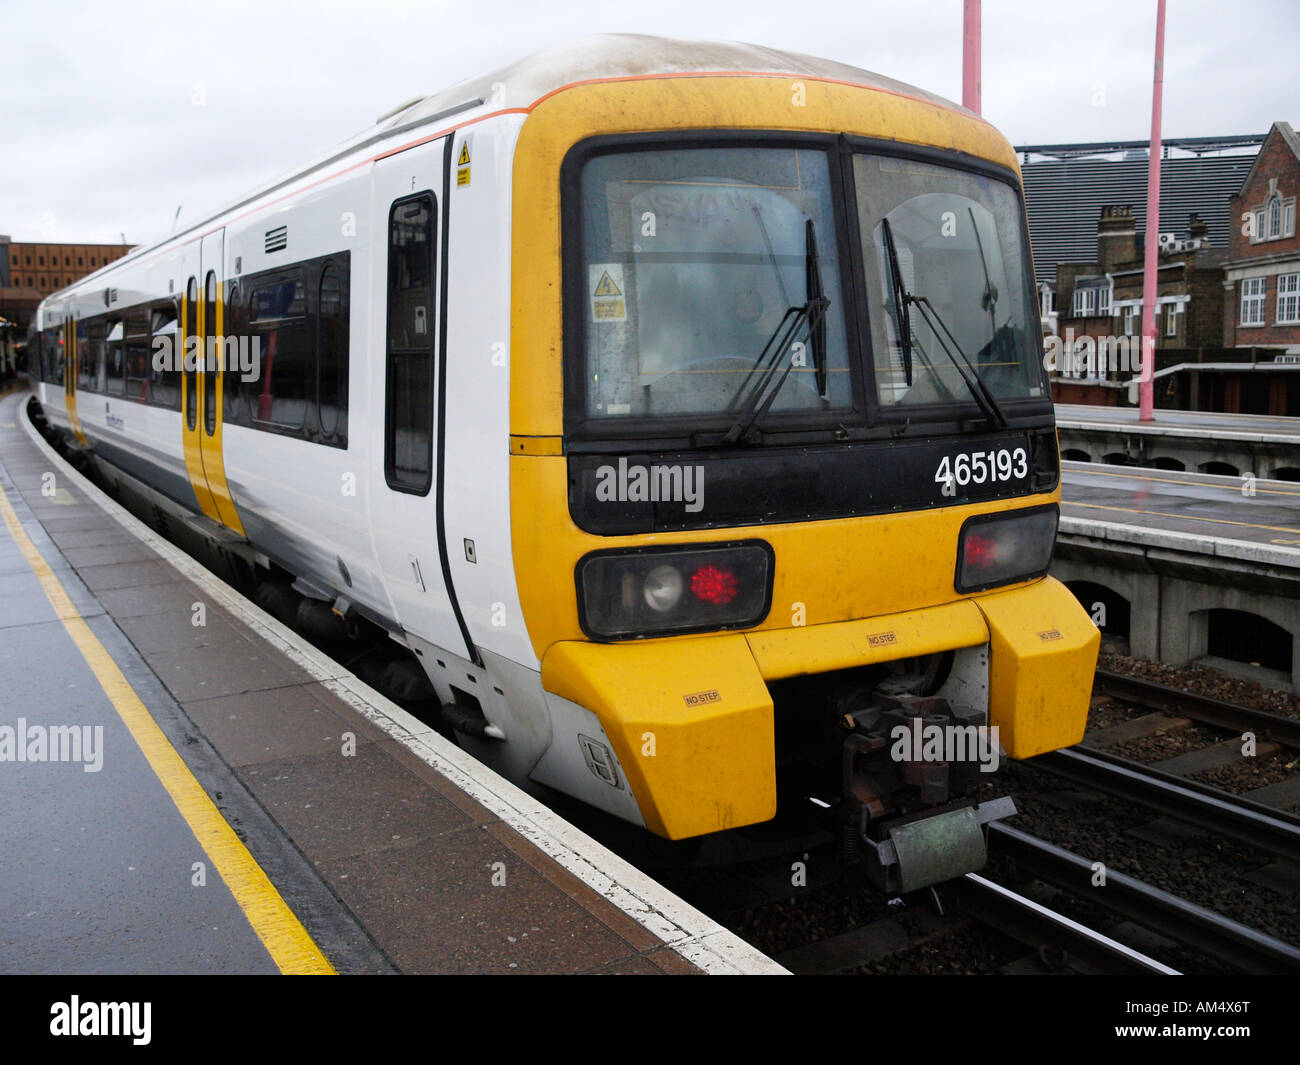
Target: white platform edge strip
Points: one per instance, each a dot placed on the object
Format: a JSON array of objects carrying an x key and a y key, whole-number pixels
[{"x": 692, "y": 934}]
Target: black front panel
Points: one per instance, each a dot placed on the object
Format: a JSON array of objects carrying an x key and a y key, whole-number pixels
[{"x": 674, "y": 490}]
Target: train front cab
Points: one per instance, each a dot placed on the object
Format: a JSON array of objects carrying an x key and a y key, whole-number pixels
[{"x": 692, "y": 720}]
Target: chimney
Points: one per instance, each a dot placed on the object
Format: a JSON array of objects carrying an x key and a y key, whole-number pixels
[
  {"x": 1198, "y": 229},
  {"x": 1116, "y": 238}
]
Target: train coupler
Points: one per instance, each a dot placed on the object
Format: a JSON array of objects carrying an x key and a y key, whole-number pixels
[{"x": 924, "y": 850}]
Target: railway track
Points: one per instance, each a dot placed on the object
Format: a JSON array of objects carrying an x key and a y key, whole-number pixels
[
  {"x": 1202, "y": 708},
  {"x": 1245, "y": 949},
  {"x": 1266, "y": 827}
]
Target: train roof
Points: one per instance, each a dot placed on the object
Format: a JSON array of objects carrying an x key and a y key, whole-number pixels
[
  {"x": 627, "y": 55},
  {"x": 523, "y": 83}
]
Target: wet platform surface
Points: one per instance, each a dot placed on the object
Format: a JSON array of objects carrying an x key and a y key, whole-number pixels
[
  {"x": 1202, "y": 505},
  {"x": 393, "y": 850},
  {"x": 1181, "y": 423}
]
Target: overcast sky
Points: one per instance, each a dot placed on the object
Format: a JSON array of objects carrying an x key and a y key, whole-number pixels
[{"x": 116, "y": 113}]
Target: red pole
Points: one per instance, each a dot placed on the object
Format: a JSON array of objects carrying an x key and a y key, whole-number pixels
[
  {"x": 1146, "y": 389},
  {"x": 970, "y": 56}
]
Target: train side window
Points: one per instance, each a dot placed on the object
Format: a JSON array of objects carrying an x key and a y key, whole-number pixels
[
  {"x": 279, "y": 321},
  {"x": 236, "y": 326},
  {"x": 164, "y": 384},
  {"x": 137, "y": 354},
  {"x": 85, "y": 366},
  {"x": 190, "y": 386},
  {"x": 332, "y": 361},
  {"x": 54, "y": 354},
  {"x": 210, "y": 353},
  {"x": 114, "y": 358},
  {"x": 408, "y": 408},
  {"x": 90, "y": 357}
]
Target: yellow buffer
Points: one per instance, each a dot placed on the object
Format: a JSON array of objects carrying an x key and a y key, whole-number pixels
[
  {"x": 822, "y": 648},
  {"x": 1044, "y": 650},
  {"x": 690, "y": 721}
]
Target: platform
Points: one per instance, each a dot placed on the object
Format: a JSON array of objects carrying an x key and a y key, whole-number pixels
[
  {"x": 1204, "y": 513},
  {"x": 1194, "y": 441},
  {"x": 1177, "y": 422},
  {"x": 243, "y": 804}
]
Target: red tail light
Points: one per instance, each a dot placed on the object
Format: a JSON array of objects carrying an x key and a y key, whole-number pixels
[
  {"x": 714, "y": 585},
  {"x": 981, "y": 550}
]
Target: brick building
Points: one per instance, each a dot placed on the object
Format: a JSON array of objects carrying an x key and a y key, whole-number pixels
[
  {"x": 30, "y": 272},
  {"x": 1262, "y": 274}
]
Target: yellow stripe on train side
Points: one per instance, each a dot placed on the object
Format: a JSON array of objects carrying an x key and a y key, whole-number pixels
[
  {"x": 70, "y": 379},
  {"x": 193, "y": 401},
  {"x": 214, "y": 458}
]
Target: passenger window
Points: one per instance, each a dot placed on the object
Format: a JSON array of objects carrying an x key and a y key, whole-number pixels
[
  {"x": 211, "y": 355},
  {"x": 137, "y": 354},
  {"x": 164, "y": 384},
  {"x": 90, "y": 357},
  {"x": 278, "y": 313},
  {"x": 114, "y": 379},
  {"x": 408, "y": 436},
  {"x": 190, "y": 386},
  {"x": 236, "y": 327},
  {"x": 332, "y": 344}
]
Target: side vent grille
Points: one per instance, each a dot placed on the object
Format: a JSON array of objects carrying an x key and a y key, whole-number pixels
[{"x": 277, "y": 239}]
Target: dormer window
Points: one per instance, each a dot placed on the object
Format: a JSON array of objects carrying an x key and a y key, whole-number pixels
[{"x": 1274, "y": 219}]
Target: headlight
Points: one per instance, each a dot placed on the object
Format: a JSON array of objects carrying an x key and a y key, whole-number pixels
[
  {"x": 660, "y": 591},
  {"x": 1003, "y": 548}
]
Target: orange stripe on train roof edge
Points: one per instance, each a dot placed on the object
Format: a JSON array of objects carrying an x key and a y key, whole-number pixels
[{"x": 527, "y": 110}]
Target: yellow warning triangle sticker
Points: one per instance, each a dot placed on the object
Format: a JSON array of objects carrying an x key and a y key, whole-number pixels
[
  {"x": 606, "y": 287},
  {"x": 464, "y": 155}
]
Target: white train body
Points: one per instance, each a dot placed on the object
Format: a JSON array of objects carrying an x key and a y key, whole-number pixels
[{"x": 447, "y": 558}]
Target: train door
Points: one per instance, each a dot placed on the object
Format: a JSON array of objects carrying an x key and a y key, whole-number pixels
[
  {"x": 408, "y": 195},
  {"x": 202, "y": 332},
  {"x": 70, "y": 374}
]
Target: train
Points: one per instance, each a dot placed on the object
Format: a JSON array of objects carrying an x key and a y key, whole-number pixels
[{"x": 677, "y": 410}]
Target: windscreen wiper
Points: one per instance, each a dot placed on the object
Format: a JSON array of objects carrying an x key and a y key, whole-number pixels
[
  {"x": 978, "y": 389},
  {"x": 813, "y": 287},
  {"x": 768, "y": 362},
  {"x": 989, "y": 301},
  {"x": 900, "y": 298}
]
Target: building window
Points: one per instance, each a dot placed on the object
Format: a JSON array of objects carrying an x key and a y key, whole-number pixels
[
  {"x": 1275, "y": 218},
  {"x": 1288, "y": 299},
  {"x": 1171, "y": 321},
  {"x": 1103, "y": 302},
  {"x": 1084, "y": 302},
  {"x": 1252, "y": 301},
  {"x": 1288, "y": 218}
]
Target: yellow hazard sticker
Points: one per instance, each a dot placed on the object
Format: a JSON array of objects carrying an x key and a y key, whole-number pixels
[
  {"x": 462, "y": 165},
  {"x": 608, "y": 303}
]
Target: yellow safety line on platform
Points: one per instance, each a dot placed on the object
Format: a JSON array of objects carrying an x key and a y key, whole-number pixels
[
  {"x": 286, "y": 940},
  {"x": 1179, "y": 517},
  {"x": 1191, "y": 484}
]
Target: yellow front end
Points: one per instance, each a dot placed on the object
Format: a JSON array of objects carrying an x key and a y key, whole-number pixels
[{"x": 691, "y": 717}]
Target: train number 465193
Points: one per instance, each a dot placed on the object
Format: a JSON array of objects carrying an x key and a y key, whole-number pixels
[{"x": 980, "y": 466}]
